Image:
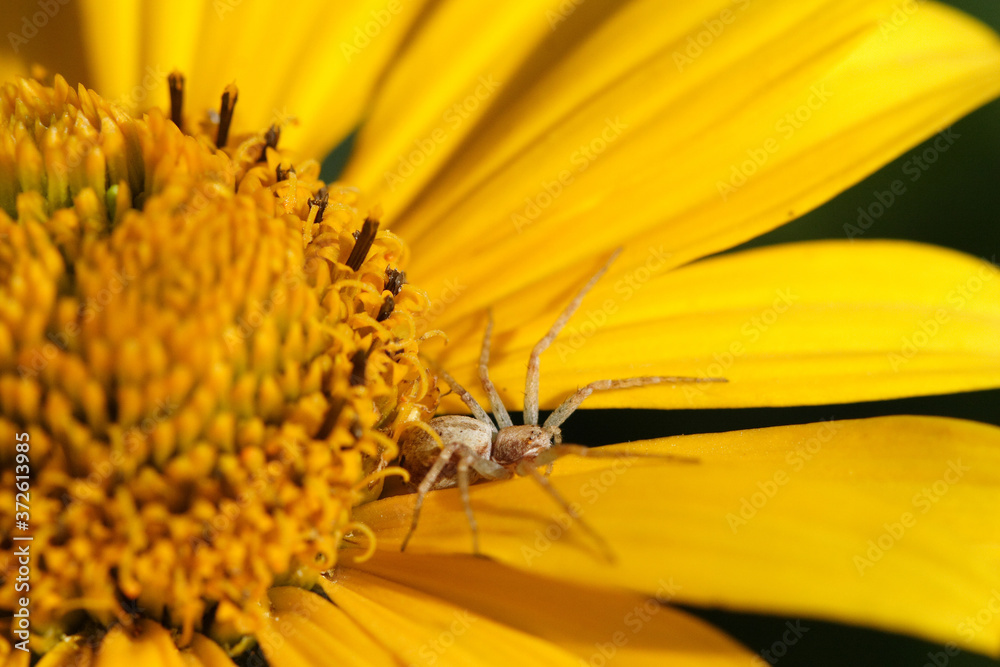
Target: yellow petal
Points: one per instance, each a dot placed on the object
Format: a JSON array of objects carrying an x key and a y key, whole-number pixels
[
  {"x": 797, "y": 324},
  {"x": 203, "y": 651},
  {"x": 885, "y": 522},
  {"x": 464, "y": 57},
  {"x": 592, "y": 624},
  {"x": 31, "y": 28},
  {"x": 421, "y": 628},
  {"x": 814, "y": 91},
  {"x": 311, "y": 64},
  {"x": 115, "y": 62},
  {"x": 152, "y": 646},
  {"x": 318, "y": 632}
]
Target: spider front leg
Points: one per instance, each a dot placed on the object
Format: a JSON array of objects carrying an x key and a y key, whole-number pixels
[
  {"x": 468, "y": 461},
  {"x": 487, "y": 469},
  {"x": 549, "y": 456},
  {"x": 425, "y": 486},
  {"x": 528, "y": 467}
]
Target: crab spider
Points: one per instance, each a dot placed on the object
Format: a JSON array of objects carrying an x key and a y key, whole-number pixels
[{"x": 469, "y": 449}]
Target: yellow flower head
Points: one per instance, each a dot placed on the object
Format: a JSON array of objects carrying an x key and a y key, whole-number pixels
[{"x": 209, "y": 350}]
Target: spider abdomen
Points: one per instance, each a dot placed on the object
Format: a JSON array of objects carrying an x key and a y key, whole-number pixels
[{"x": 419, "y": 450}]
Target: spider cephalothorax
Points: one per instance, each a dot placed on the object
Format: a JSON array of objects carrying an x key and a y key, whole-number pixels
[{"x": 461, "y": 450}]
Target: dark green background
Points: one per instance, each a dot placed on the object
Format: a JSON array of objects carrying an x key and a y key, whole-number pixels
[{"x": 954, "y": 204}]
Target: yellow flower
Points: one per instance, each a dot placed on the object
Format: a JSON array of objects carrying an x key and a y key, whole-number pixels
[{"x": 510, "y": 147}]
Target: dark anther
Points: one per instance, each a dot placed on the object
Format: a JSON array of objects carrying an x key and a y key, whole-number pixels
[
  {"x": 229, "y": 98},
  {"x": 394, "y": 280},
  {"x": 386, "y": 310},
  {"x": 363, "y": 243},
  {"x": 281, "y": 174},
  {"x": 320, "y": 201},
  {"x": 358, "y": 368},
  {"x": 176, "y": 83},
  {"x": 330, "y": 419},
  {"x": 208, "y": 618},
  {"x": 270, "y": 141}
]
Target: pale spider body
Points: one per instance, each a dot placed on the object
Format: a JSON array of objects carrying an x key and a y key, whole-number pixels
[
  {"x": 506, "y": 447},
  {"x": 458, "y": 450}
]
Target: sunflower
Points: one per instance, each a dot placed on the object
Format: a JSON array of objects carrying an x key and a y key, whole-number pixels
[{"x": 208, "y": 354}]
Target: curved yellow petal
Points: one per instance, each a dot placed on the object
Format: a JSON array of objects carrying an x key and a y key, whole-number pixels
[
  {"x": 886, "y": 522},
  {"x": 310, "y": 66},
  {"x": 797, "y": 324},
  {"x": 41, "y": 33},
  {"x": 591, "y": 623},
  {"x": 421, "y": 628},
  {"x": 112, "y": 48},
  {"x": 465, "y": 58},
  {"x": 318, "y": 632},
  {"x": 792, "y": 103},
  {"x": 203, "y": 651},
  {"x": 152, "y": 646}
]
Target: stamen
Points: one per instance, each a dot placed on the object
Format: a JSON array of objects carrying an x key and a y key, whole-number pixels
[
  {"x": 229, "y": 97},
  {"x": 358, "y": 372},
  {"x": 367, "y": 532},
  {"x": 176, "y": 83},
  {"x": 282, "y": 174},
  {"x": 364, "y": 243},
  {"x": 320, "y": 201},
  {"x": 270, "y": 141},
  {"x": 330, "y": 418},
  {"x": 394, "y": 280},
  {"x": 394, "y": 471},
  {"x": 386, "y": 310}
]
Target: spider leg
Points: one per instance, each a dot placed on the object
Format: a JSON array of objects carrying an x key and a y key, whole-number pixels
[
  {"x": 463, "y": 393},
  {"x": 534, "y": 361},
  {"x": 463, "y": 486},
  {"x": 527, "y": 467},
  {"x": 425, "y": 486},
  {"x": 558, "y": 451},
  {"x": 499, "y": 410},
  {"x": 570, "y": 405}
]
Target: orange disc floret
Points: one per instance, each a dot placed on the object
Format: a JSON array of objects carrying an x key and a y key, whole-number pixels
[{"x": 211, "y": 352}]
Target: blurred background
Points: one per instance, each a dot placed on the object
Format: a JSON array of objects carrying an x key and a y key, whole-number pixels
[{"x": 956, "y": 204}]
